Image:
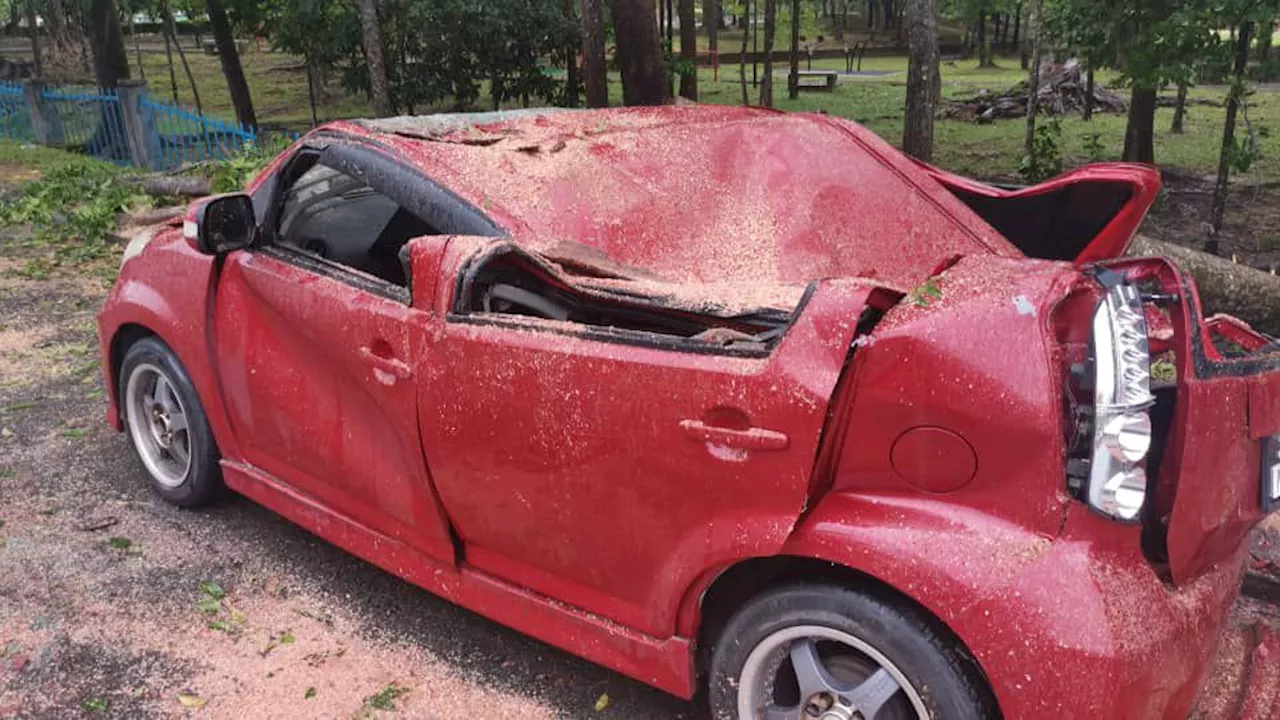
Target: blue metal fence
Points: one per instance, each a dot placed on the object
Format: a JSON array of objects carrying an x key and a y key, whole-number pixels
[
  {"x": 181, "y": 136},
  {"x": 89, "y": 120},
  {"x": 15, "y": 114},
  {"x": 112, "y": 125}
]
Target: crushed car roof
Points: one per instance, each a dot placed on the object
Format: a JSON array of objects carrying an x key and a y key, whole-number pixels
[{"x": 701, "y": 194}]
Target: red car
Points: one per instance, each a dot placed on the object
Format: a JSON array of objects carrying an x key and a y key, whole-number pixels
[{"x": 724, "y": 399}]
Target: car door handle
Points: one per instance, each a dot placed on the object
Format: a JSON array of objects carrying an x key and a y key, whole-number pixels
[
  {"x": 395, "y": 369},
  {"x": 748, "y": 439}
]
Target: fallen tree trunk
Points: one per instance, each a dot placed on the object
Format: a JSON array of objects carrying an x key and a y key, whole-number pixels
[
  {"x": 1225, "y": 287},
  {"x": 151, "y": 217},
  {"x": 169, "y": 186}
]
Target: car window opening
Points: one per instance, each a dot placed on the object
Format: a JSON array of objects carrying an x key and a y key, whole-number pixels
[
  {"x": 513, "y": 283},
  {"x": 341, "y": 219},
  {"x": 1056, "y": 225}
]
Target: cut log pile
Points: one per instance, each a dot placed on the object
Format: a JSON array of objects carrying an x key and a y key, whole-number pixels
[{"x": 1062, "y": 91}]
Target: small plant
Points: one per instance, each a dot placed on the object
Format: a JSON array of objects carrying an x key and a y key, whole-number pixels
[
  {"x": 212, "y": 589},
  {"x": 385, "y": 699},
  {"x": 95, "y": 704},
  {"x": 1045, "y": 160},
  {"x": 1094, "y": 148},
  {"x": 120, "y": 543}
]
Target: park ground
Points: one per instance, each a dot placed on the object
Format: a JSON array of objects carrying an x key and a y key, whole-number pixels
[{"x": 114, "y": 604}]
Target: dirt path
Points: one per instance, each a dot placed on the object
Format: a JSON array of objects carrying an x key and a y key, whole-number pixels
[{"x": 114, "y": 604}]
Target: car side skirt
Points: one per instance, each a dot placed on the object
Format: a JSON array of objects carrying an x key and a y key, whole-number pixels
[{"x": 665, "y": 663}]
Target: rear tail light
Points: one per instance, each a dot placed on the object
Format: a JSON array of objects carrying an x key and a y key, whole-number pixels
[{"x": 1122, "y": 432}]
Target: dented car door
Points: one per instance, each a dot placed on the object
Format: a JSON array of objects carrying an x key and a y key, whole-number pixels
[
  {"x": 609, "y": 469},
  {"x": 315, "y": 362}
]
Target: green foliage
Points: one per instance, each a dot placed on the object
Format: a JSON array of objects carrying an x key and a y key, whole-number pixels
[
  {"x": 676, "y": 64},
  {"x": 212, "y": 590},
  {"x": 73, "y": 207},
  {"x": 1093, "y": 147},
  {"x": 1045, "y": 160},
  {"x": 435, "y": 50},
  {"x": 233, "y": 174},
  {"x": 385, "y": 699}
]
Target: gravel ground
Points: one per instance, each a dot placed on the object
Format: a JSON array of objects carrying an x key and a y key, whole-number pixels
[{"x": 114, "y": 604}]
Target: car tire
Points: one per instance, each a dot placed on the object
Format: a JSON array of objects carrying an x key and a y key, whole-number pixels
[
  {"x": 860, "y": 642},
  {"x": 167, "y": 426}
]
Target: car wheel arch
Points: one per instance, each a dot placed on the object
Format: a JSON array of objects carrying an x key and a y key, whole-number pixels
[{"x": 720, "y": 593}]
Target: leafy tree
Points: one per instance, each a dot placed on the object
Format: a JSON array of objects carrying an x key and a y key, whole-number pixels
[{"x": 1236, "y": 154}]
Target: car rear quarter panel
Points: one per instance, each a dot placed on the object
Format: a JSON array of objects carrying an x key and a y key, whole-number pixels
[
  {"x": 965, "y": 373},
  {"x": 166, "y": 290}
]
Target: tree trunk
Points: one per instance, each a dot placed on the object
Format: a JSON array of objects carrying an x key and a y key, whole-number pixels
[
  {"x": 34, "y": 31},
  {"x": 742, "y": 56},
  {"x": 766, "y": 79},
  {"x": 572, "y": 80},
  {"x": 644, "y": 73},
  {"x": 1139, "y": 134},
  {"x": 182, "y": 55},
  {"x": 230, "y": 59},
  {"x": 709, "y": 21},
  {"x": 311, "y": 92},
  {"x": 1090, "y": 84},
  {"x": 1179, "y": 110},
  {"x": 922, "y": 76},
  {"x": 1033, "y": 78},
  {"x": 168, "y": 58},
  {"x": 137, "y": 49},
  {"x": 689, "y": 50},
  {"x": 843, "y": 21},
  {"x": 793, "y": 78},
  {"x": 594, "y": 78},
  {"x": 110, "y": 63},
  {"x": 984, "y": 43},
  {"x": 1017, "y": 24},
  {"x": 1225, "y": 287},
  {"x": 13, "y": 16},
  {"x": 372, "y": 41},
  {"x": 1219, "y": 207}
]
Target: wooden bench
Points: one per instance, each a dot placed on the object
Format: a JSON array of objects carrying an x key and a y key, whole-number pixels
[{"x": 826, "y": 80}]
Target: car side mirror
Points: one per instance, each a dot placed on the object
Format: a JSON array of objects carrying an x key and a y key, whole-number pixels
[{"x": 225, "y": 223}]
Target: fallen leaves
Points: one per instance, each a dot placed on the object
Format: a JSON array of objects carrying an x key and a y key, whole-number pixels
[
  {"x": 275, "y": 641},
  {"x": 214, "y": 602},
  {"x": 602, "y": 702},
  {"x": 194, "y": 702}
]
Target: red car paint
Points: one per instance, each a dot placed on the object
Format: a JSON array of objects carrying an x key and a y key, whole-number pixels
[{"x": 589, "y": 493}]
